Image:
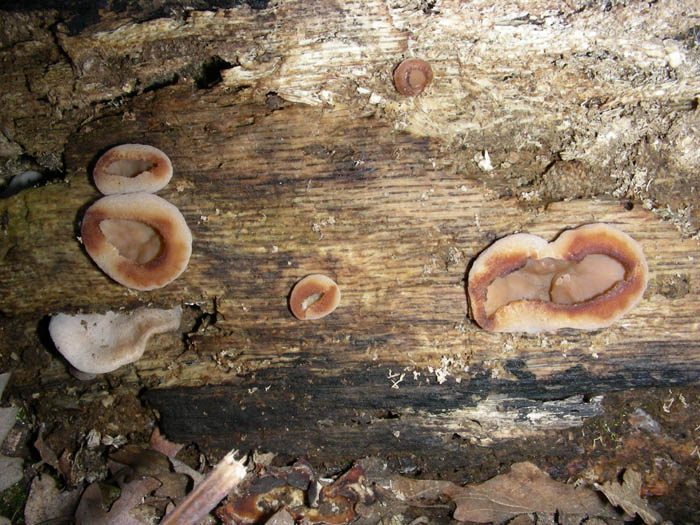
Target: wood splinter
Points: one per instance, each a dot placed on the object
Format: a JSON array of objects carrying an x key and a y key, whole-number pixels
[{"x": 227, "y": 474}]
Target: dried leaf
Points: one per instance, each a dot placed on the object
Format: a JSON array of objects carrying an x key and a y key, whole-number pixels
[
  {"x": 522, "y": 519},
  {"x": 10, "y": 471},
  {"x": 91, "y": 511},
  {"x": 65, "y": 466},
  {"x": 412, "y": 490},
  {"x": 150, "y": 463},
  {"x": 144, "y": 462},
  {"x": 10, "y": 468},
  {"x": 281, "y": 517},
  {"x": 293, "y": 488},
  {"x": 525, "y": 489},
  {"x": 48, "y": 456},
  {"x": 182, "y": 468},
  {"x": 4, "y": 378},
  {"x": 7, "y": 421},
  {"x": 46, "y": 502},
  {"x": 626, "y": 495},
  {"x": 162, "y": 445},
  {"x": 263, "y": 459}
]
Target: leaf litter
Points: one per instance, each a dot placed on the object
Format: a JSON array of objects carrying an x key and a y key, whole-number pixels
[{"x": 151, "y": 482}]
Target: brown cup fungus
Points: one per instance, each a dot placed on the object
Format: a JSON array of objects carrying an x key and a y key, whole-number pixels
[
  {"x": 313, "y": 297},
  {"x": 587, "y": 278},
  {"x": 132, "y": 168},
  {"x": 138, "y": 239},
  {"x": 412, "y": 76}
]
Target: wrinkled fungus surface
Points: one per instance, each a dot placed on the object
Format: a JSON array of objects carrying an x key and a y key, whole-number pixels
[
  {"x": 134, "y": 240},
  {"x": 587, "y": 278},
  {"x": 412, "y": 76},
  {"x": 132, "y": 168},
  {"x": 101, "y": 343},
  {"x": 138, "y": 239},
  {"x": 313, "y": 297}
]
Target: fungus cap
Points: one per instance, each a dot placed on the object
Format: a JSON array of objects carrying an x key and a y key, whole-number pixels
[
  {"x": 101, "y": 343},
  {"x": 140, "y": 240},
  {"x": 131, "y": 168},
  {"x": 313, "y": 297},
  {"x": 412, "y": 76},
  {"x": 587, "y": 278}
]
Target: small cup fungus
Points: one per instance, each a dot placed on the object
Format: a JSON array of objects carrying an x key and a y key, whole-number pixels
[
  {"x": 138, "y": 239},
  {"x": 131, "y": 168},
  {"x": 313, "y": 297},
  {"x": 587, "y": 278},
  {"x": 412, "y": 76},
  {"x": 101, "y": 343}
]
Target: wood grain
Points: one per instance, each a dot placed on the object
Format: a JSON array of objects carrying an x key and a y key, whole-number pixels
[
  {"x": 301, "y": 190},
  {"x": 301, "y": 158}
]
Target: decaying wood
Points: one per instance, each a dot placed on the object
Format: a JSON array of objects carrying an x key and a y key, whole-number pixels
[{"x": 299, "y": 157}]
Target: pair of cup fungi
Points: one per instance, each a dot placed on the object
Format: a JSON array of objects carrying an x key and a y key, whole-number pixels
[{"x": 586, "y": 279}]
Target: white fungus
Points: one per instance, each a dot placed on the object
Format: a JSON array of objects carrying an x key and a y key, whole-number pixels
[{"x": 101, "y": 343}]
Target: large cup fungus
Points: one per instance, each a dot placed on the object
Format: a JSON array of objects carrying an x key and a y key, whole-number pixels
[
  {"x": 132, "y": 168},
  {"x": 313, "y": 297},
  {"x": 138, "y": 239},
  {"x": 587, "y": 278},
  {"x": 101, "y": 343}
]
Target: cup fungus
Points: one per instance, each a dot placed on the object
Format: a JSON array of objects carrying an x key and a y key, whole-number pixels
[
  {"x": 313, "y": 297},
  {"x": 132, "y": 168},
  {"x": 587, "y": 278},
  {"x": 412, "y": 76},
  {"x": 101, "y": 343},
  {"x": 138, "y": 239}
]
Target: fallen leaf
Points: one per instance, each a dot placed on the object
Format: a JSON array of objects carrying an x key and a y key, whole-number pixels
[
  {"x": 261, "y": 460},
  {"x": 143, "y": 463},
  {"x": 10, "y": 468},
  {"x": 522, "y": 519},
  {"x": 626, "y": 495},
  {"x": 525, "y": 489},
  {"x": 159, "y": 443},
  {"x": 291, "y": 488},
  {"x": 182, "y": 468},
  {"x": 91, "y": 510},
  {"x": 47, "y": 455},
  {"x": 65, "y": 467},
  {"x": 412, "y": 490},
  {"x": 46, "y": 502},
  {"x": 10, "y": 471},
  {"x": 282, "y": 517}
]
